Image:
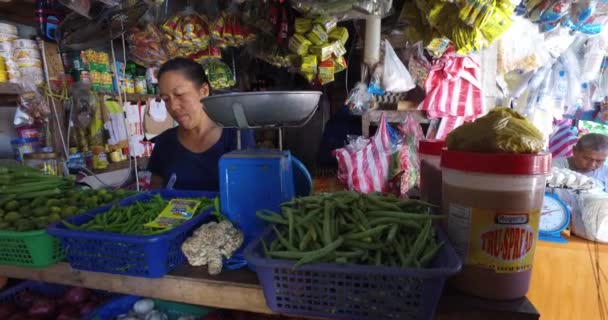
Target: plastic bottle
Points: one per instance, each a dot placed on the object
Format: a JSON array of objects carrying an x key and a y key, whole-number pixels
[{"x": 48, "y": 15}]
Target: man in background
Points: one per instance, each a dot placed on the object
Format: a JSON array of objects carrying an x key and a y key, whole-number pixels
[{"x": 589, "y": 157}]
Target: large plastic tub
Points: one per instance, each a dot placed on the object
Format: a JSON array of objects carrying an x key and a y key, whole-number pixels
[
  {"x": 348, "y": 291},
  {"x": 143, "y": 256},
  {"x": 493, "y": 204},
  {"x": 123, "y": 305}
]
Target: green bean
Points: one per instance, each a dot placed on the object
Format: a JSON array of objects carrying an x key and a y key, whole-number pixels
[
  {"x": 270, "y": 216},
  {"x": 403, "y": 222},
  {"x": 404, "y": 215},
  {"x": 366, "y": 234},
  {"x": 430, "y": 254},
  {"x": 417, "y": 246},
  {"x": 288, "y": 212},
  {"x": 306, "y": 239},
  {"x": 318, "y": 254},
  {"x": 392, "y": 233},
  {"x": 376, "y": 201},
  {"x": 283, "y": 241},
  {"x": 327, "y": 224},
  {"x": 378, "y": 258},
  {"x": 309, "y": 217}
]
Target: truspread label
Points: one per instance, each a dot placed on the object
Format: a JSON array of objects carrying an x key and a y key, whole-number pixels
[{"x": 503, "y": 241}]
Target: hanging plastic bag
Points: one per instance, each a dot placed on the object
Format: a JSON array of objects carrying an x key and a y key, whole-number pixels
[
  {"x": 408, "y": 175},
  {"x": 366, "y": 164},
  {"x": 395, "y": 77},
  {"x": 33, "y": 107},
  {"x": 593, "y": 55},
  {"x": 359, "y": 99},
  {"x": 521, "y": 47},
  {"x": 418, "y": 65}
]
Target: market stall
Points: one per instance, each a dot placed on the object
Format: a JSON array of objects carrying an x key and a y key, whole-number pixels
[{"x": 165, "y": 155}]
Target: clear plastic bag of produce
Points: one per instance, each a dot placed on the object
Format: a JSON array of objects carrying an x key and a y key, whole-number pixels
[
  {"x": 359, "y": 99},
  {"x": 343, "y": 9},
  {"x": 365, "y": 165},
  {"x": 395, "y": 77},
  {"x": 407, "y": 172},
  {"x": 502, "y": 130}
]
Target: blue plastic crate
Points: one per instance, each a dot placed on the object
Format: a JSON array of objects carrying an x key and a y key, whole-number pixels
[
  {"x": 143, "y": 256},
  {"x": 123, "y": 305},
  {"x": 351, "y": 291},
  {"x": 49, "y": 290}
]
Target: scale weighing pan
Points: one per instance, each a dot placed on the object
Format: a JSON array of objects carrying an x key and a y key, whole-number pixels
[{"x": 266, "y": 109}]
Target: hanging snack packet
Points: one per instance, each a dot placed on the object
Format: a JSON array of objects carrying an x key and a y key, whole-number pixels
[
  {"x": 227, "y": 34},
  {"x": 217, "y": 27},
  {"x": 323, "y": 52},
  {"x": 317, "y": 35},
  {"x": 339, "y": 34},
  {"x": 299, "y": 44},
  {"x": 339, "y": 64},
  {"x": 556, "y": 11},
  {"x": 237, "y": 32},
  {"x": 338, "y": 49},
  {"x": 328, "y": 23},
  {"x": 496, "y": 24},
  {"x": 302, "y": 25},
  {"x": 308, "y": 68},
  {"x": 326, "y": 72}
]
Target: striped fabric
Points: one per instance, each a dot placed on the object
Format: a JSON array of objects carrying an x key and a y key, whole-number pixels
[{"x": 563, "y": 139}]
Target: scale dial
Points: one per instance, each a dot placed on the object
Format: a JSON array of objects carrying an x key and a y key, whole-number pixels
[{"x": 554, "y": 216}]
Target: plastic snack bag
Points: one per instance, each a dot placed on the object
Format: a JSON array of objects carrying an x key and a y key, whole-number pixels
[
  {"x": 395, "y": 77},
  {"x": 365, "y": 174},
  {"x": 409, "y": 164},
  {"x": 359, "y": 99}
]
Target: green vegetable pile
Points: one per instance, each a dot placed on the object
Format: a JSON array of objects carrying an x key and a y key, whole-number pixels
[
  {"x": 31, "y": 200},
  {"x": 132, "y": 218},
  {"x": 347, "y": 227}
]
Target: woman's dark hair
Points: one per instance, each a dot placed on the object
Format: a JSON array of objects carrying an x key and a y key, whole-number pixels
[{"x": 189, "y": 68}]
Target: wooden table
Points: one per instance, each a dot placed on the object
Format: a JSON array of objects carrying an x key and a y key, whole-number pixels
[
  {"x": 240, "y": 290},
  {"x": 566, "y": 281}
]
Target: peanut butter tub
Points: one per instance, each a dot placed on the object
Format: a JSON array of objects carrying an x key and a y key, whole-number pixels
[{"x": 493, "y": 204}]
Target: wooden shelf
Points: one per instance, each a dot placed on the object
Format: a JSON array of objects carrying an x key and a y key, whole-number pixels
[{"x": 240, "y": 290}]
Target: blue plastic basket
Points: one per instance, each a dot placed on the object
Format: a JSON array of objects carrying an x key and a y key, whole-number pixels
[
  {"x": 143, "y": 256},
  {"x": 123, "y": 305},
  {"x": 49, "y": 290},
  {"x": 349, "y": 291}
]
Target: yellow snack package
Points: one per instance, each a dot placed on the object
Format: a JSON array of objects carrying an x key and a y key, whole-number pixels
[
  {"x": 175, "y": 213},
  {"x": 328, "y": 23},
  {"x": 498, "y": 22},
  {"x": 317, "y": 35},
  {"x": 338, "y": 49},
  {"x": 339, "y": 34},
  {"x": 299, "y": 44},
  {"x": 170, "y": 24},
  {"x": 302, "y": 25},
  {"x": 323, "y": 52},
  {"x": 326, "y": 72},
  {"x": 309, "y": 65},
  {"x": 340, "y": 64}
]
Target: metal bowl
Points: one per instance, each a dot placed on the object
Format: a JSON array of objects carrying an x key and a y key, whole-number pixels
[{"x": 267, "y": 109}]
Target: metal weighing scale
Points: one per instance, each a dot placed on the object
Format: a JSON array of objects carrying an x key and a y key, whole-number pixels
[
  {"x": 554, "y": 218},
  {"x": 256, "y": 179}
]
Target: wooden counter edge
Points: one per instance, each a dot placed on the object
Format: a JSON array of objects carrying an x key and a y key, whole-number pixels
[{"x": 206, "y": 292}]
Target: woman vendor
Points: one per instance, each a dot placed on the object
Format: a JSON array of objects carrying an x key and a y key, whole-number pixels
[
  {"x": 589, "y": 156},
  {"x": 191, "y": 151}
]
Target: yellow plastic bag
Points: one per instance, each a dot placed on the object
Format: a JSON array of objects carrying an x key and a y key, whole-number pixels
[{"x": 502, "y": 130}]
